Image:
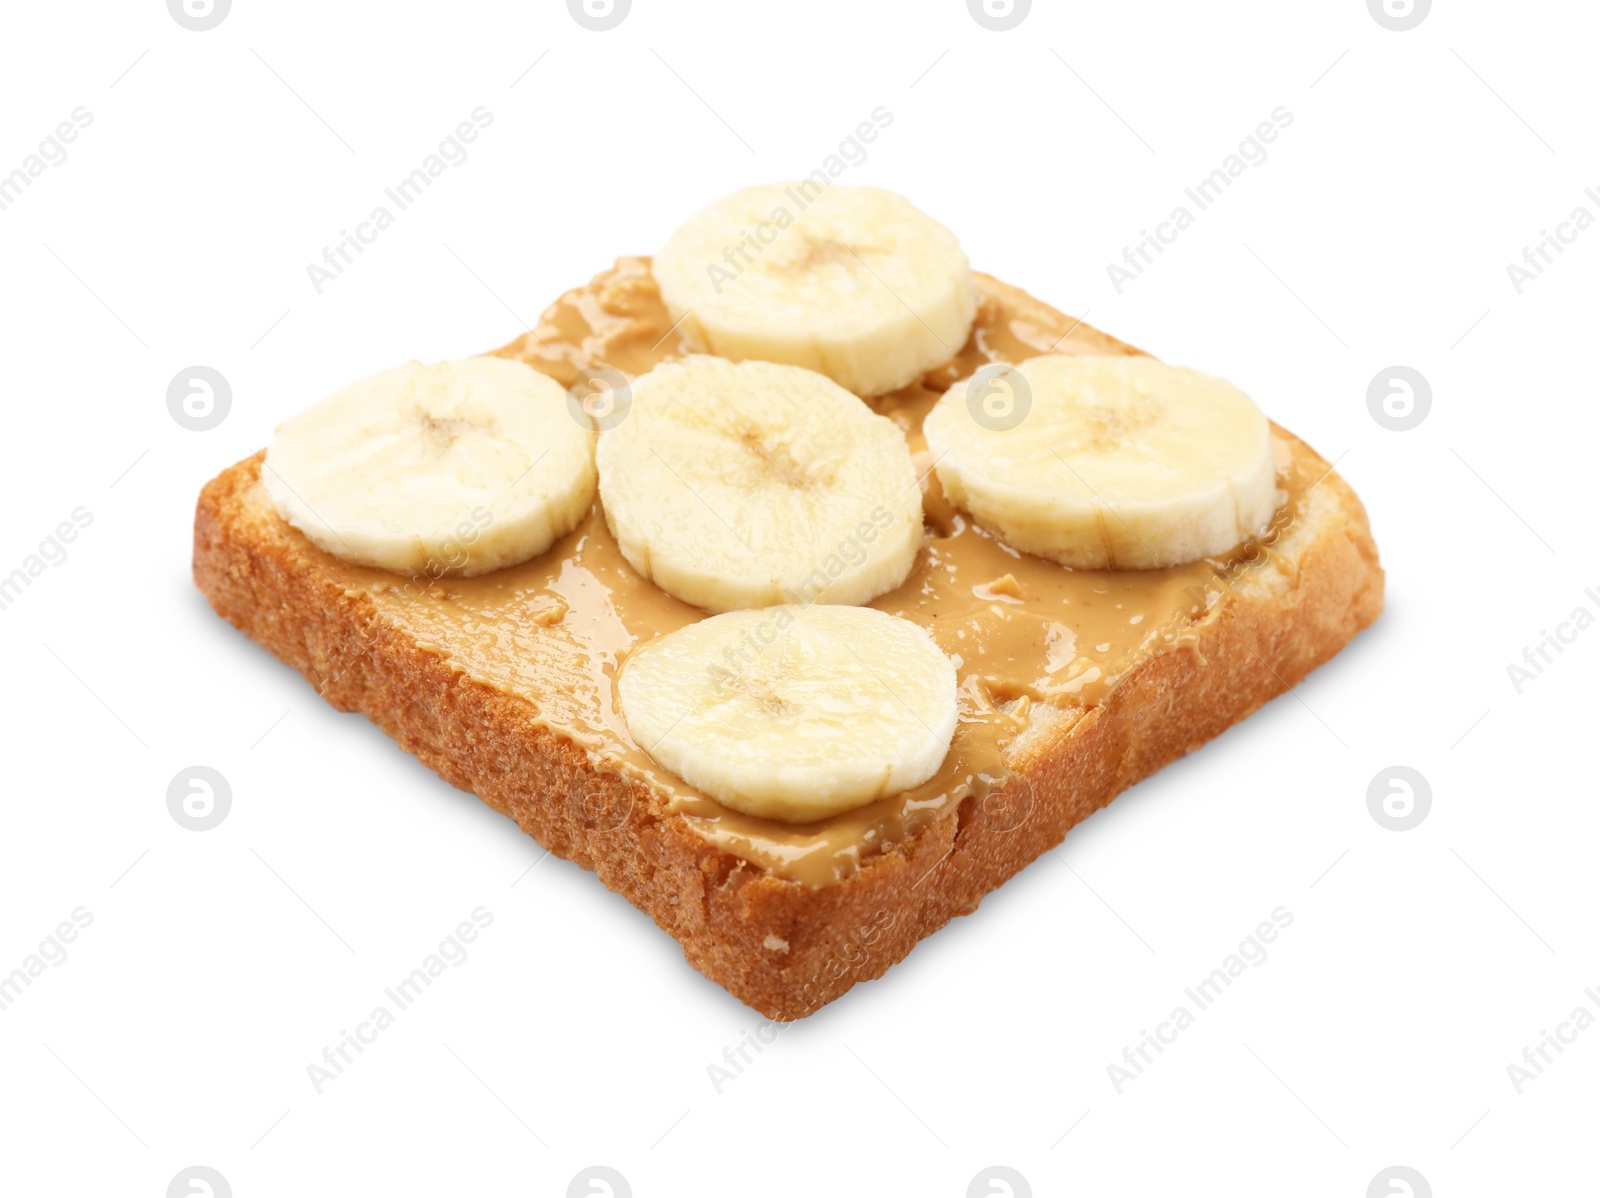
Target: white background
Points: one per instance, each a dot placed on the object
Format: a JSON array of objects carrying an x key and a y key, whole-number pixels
[{"x": 219, "y": 964}]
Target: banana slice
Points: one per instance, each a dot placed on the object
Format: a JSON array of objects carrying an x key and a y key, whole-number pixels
[
  {"x": 793, "y": 713},
  {"x": 1106, "y": 462},
  {"x": 851, "y": 282},
  {"x": 457, "y": 468},
  {"x": 748, "y": 485}
]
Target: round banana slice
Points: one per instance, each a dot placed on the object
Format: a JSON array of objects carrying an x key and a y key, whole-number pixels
[
  {"x": 457, "y": 468},
  {"x": 1106, "y": 462},
  {"x": 852, "y": 282},
  {"x": 793, "y": 713},
  {"x": 748, "y": 485}
]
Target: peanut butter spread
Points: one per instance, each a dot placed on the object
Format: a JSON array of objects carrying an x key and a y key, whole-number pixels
[{"x": 1025, "y": 633}]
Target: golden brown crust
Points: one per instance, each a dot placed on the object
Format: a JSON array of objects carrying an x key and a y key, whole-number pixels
[{"x": 784, "y": 948}]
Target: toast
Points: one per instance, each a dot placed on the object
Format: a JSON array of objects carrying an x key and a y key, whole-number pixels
[{"x": 499, "y": 709}]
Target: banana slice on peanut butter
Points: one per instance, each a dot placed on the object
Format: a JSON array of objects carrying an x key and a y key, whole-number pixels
[
  {"x": 1103, "y": 462},
  {"x": 752, "y": 484},
  {"x": 454, "y": 468},
  {"x": 794, "y": 713},
  {"x": 852, "y": 282}
]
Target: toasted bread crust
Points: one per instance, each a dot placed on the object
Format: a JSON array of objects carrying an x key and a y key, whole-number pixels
[{"x": 784, "y": 948}]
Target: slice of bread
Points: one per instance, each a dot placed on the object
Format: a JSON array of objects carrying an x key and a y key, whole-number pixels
[{"x": 781, "y": 946}]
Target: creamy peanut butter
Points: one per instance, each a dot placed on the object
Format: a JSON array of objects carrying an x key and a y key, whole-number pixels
[{"x": 1023, "y": 631}]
